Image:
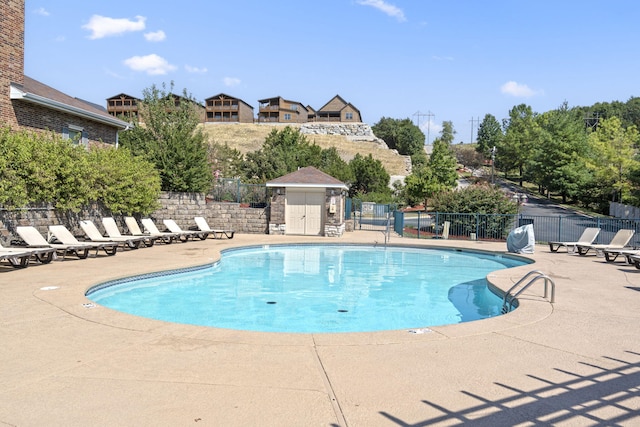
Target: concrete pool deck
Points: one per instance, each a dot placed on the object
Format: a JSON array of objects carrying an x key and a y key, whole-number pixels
[{"x": 67, "y": 362}]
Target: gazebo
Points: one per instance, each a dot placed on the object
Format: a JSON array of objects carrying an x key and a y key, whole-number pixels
[{"x": 307, "y": 202}]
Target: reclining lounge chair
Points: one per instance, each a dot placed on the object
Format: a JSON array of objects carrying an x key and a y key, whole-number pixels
[
  {"x": 34, "y": 239},
  {"x": 42, "y": 255},
  {"x": 202, "y": 225},
  {"x": 173, "y": 227},
  {"x": 135, "y": 230},
  {"x": 588, "y": 237},
  {"x": 94, "y": 235},
  {"x": 17, "y": 259},
  {"x": 113, "y": 231},
  {"x": 150, "y": 227},
  {"x": 619, "y": 241},
  {"x": 63, "y": 235}
]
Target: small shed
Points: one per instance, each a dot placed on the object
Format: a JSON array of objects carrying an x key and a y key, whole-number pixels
[{"x": 307, "y": 202}]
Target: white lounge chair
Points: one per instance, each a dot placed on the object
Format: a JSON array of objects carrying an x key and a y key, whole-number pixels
[
  {"x": 619, "y": 241},
  {"x": 17, "y": 259},
  {"x": 34, "y": 239},
  {"x": 173, "y": 227},
  {"x": 94, "y": 235},
  {"x": 611, "y": 254},
  {"x": 151, "y": 228},
  {"x": 588, "y": 237},
  {"x": 113, "y": 231},
  {"x": 135, "y": 230},
  {"x": 64, "y": 236},
  {"x": 202, "y": 225},
  {"x": 42, "y": 255}
]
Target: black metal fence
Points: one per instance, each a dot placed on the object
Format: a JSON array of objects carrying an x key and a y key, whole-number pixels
[
  {"x": 497, "y": 227},
  {"x": 233, "y": 190}
]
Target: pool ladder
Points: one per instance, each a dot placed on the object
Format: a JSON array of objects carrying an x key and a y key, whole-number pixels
[{"x": 509, "y": 298}]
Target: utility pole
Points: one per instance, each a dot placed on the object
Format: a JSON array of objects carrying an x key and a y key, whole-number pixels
[
  {"x": 472, "y": 122},
  {"x": 493, "y": 163},
  {"x": 428, "y": 116},
  {"x": 592, "y": 120}
]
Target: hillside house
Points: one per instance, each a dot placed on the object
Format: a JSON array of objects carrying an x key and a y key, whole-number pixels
[
  {"x": 27, "y": 104},
  {"x": 222, "y": 108},
  {"x": 280, "y": 110},
  {"x": 337, "y": 110},
  {"x": 124, "y": 106}
]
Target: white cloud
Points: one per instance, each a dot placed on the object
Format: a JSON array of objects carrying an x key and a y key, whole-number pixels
[
  {"x": 384, "y": 7},
  {"x": 151, "y": 64},
  {"x": 102, "y": 26},
  {"x": 517, "y": 89},
  {"x": 196, "y": 70},
  {"x": 442, "y": 58},
  {"x": 231, "y": 81},
  {"x": 155, "y": 36},
  {"x": 41, "y": 11}
]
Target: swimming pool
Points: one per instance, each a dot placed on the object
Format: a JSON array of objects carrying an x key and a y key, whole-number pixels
[{"x": 318, "y": 288}]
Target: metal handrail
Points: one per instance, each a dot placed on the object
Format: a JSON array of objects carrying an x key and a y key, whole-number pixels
[{"x": 507, "y": 301}]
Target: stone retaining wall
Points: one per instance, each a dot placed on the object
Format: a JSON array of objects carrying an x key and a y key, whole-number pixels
[
  {"x": 181, "y": 207},
  {"x": 353, "y": 131}
]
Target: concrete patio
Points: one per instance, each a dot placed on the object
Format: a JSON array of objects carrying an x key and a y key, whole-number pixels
[{"x": 65, "y": 362}]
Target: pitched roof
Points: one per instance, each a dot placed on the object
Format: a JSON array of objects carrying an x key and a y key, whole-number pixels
[
  {"x": 335, "y": 104},
  {"x": 225, "y": 96},
  {"x": 38, "y": 93},
  {"x": 307, "y": 177}
]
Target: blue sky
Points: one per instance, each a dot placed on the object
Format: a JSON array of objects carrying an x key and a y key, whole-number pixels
[{"x": 425, "y": 60}]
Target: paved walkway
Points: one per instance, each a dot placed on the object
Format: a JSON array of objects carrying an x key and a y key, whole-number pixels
[{"x": 66, "y": 363}]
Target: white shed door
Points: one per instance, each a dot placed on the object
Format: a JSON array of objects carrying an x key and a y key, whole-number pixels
[{"x": 304, "y": 212}]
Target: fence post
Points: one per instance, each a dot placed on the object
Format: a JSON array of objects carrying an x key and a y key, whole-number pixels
[
  {"x": 418, "y": 224},
  {"x": 477, "y": 225},
  {"x": 559, "y": 238},
  {"x": 435, "y": 226}
]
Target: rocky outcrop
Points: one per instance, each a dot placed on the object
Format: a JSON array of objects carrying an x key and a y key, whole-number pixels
[{"x": 352, "y": 131}]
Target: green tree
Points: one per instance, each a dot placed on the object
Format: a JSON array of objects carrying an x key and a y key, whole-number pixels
[
  {"x": 401, "y": 135},
  {"x": 370, "y": 177},
  {"x": 613, "y": 156},
  {"x": 522, "y": 134},
  {"x": 447, "y": 134},
  {"x": 443, "y": 163},
  {"x": 421, "y": 185},
  {"x": 561, "y": 145},
  {"x": 489, "y": 135},
  {"x": 171, "y": 139},
  {"x": 225, "y": 161},
  {"x": 283, "y": 152}
]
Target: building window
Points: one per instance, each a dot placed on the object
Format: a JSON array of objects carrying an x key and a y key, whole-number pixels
[
  {"x": 287, "y": 116},
  {"x": 76, "y": 134},
  {"x": 348, "y": 116}
]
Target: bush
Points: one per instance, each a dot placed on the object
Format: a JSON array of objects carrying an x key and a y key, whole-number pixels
[
  {"x": 480, "y": 209},
  {"x": 40, "y": 167}
]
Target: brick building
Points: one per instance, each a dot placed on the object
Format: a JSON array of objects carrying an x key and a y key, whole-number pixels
[{"x": 28, "y": 104}]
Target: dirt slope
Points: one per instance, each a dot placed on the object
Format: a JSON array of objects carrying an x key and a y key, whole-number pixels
[{"x": 249, "y": 137}]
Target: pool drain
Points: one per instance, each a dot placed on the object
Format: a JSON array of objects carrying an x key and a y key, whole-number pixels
[
  {"x": 343, "y": 311},
  {"x": 271, "y": 302}
]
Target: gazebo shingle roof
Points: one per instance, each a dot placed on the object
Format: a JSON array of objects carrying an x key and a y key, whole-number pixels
[{"x": 307, "y": 177}]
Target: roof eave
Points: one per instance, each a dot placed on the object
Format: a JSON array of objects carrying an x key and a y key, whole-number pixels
[
  {"x": 18, "y": 94},
  {"x": 300, "y": 185}
]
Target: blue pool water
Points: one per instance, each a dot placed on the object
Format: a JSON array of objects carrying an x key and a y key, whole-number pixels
[{"x": 318, "y": 288}]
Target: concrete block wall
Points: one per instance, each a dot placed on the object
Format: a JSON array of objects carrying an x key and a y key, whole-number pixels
[{"x": 181, "y": 207}]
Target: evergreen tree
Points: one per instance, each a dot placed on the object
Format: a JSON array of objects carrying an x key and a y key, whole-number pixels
[{"x": 169, "y": 137}]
